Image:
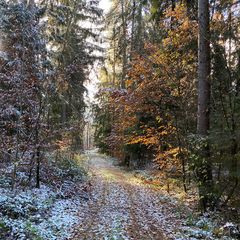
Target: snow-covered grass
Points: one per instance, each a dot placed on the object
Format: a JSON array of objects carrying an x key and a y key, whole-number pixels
[
  {"x": 120, "y": 206},
  {"x": 48, "y": 213},
  {"x": 205, "y": 227},
  {"x": 36, "y": 214}
]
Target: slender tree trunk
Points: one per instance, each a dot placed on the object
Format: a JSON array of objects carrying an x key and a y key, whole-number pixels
[
  {"x": 173, "y": 5},
  {"x": 139, "y": 37},
  {"x": 114, "y": 56},
  {"x": 38, "y": 167},
  {"x": 133, "y": 28},
  {"x": 37, "y": 145},
  {"x": 204, "y": 171},
  {"x": 232, "y": 107},
  {"x": 124, "y": 46},
  {"x": 203, "y": 69}
]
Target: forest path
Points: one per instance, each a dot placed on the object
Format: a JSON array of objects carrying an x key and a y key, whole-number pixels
[{"x": 123, "y": 207}]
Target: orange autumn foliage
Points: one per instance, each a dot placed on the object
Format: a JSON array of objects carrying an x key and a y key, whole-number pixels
[{"x": 159, "y": 97}]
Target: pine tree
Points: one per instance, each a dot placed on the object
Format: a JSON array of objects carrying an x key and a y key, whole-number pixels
[{"x": 21, "y": 88}]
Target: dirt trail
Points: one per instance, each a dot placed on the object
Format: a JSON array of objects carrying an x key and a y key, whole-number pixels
[{"x": 122, "y": 207}]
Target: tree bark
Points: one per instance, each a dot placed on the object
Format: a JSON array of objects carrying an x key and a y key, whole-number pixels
[
  {"x": 133, "y": 28},
  {"x": 124, "y": 46},
  {"x": 204, "y": 171},
  {"x": 203, "y": 68},
  {"x": 114, "y": 57}
]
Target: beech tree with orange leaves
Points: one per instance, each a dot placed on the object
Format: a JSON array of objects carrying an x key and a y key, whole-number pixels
[{"x": 154, "y": 118}]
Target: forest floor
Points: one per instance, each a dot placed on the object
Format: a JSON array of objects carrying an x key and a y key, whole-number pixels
[
  {"x": 99, "y": 200},
  {"x": 122, "y": 206}
]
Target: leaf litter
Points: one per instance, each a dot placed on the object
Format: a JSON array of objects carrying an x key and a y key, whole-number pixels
[{"x": 116, "y": 205}]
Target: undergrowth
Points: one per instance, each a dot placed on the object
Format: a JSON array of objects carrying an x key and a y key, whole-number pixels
[{"x": 49, "y": 212}]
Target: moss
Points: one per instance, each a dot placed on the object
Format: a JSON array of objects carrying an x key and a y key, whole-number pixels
[
  {"x": 32, "y": 232},
  {"x": 4, "y": 229}
]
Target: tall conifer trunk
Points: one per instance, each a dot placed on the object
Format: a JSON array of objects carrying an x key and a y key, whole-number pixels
[{"x": 204, "y": 170}]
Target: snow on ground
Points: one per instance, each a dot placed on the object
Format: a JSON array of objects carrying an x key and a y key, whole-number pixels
[
  {"x": 123, "y": 207},
  {"x": 120, "y": 207},
  {"x": 37, "y": 214},
  {"x": 117, "y": 205}
]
